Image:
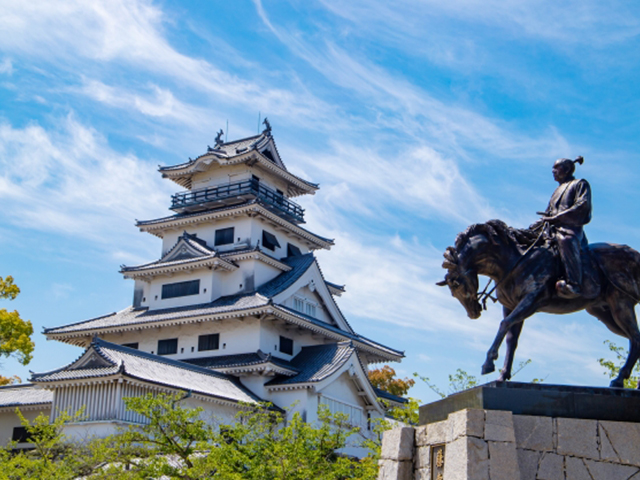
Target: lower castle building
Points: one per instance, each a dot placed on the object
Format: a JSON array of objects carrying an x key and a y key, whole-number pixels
[{"x": 236, "y": 311}]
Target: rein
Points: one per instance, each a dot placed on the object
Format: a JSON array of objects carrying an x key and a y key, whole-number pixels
[{"x": 483, "y": 296}]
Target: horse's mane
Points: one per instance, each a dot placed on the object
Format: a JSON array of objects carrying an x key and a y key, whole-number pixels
[{"x": 498, "y": 232}]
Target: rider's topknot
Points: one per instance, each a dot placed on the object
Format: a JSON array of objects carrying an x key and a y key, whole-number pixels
[{"x": 571, "y": 164}]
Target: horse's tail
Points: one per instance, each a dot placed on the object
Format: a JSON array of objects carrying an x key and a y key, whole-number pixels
[{"x": 620, "y": 265}]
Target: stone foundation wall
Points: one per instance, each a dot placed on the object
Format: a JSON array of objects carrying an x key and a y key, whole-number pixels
[{"x": 497, "y": 445}]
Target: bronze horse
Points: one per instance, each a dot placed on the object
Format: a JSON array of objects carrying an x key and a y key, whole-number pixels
[{"x": 525, "y": 272}]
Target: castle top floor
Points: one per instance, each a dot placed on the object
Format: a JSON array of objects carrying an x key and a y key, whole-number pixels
[{"x": 245, "y": 161}]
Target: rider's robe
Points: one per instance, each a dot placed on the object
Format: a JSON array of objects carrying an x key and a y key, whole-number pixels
[{"x": 570, "y": 204}]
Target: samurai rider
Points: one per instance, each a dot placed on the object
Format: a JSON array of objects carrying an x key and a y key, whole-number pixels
[{"x": 568, "y": 211}]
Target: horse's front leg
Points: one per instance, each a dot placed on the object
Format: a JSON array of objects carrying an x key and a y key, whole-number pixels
[
  {"x": 512, "y": 344},
  {"x": 523, "y": 310}
]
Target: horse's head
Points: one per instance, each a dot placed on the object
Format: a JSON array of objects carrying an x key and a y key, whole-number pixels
[{"x": 462, "y": 282}]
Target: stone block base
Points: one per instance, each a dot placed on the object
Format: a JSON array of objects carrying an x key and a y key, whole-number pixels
[{"x": 498, "y": 445}]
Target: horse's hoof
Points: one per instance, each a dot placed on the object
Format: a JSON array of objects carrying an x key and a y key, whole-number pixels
[
  {"x": 488, "y": 368},
  {"x": 617, "y": 383},
  {"x": 503, "y": 378}
]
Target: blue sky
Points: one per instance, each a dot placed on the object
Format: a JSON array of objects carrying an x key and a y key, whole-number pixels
[{"x": 417, "y": 118}]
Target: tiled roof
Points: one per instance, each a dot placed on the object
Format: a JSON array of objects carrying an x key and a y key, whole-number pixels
[
  {"x": 188, "y": 249},
  {"x": 23, "y": 395},
  {"x": 389, "y": 396},
  {"x": 224, "y": 305},
  {"x": 255, "y": 201},
  {"x": 179, "y": 216},
  {"x": 317, "y": 362},
  {"x": 228, "y": 149},
  {"x": 132, "y": 316},
  {"x": 239, "y": 147},
  {"x": 240, "y": 360},
  {"x": 352, "y": 336},
  {"x": 154, "y": 369}
]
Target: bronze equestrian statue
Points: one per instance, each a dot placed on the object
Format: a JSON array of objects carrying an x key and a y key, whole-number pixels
[{"x": 548, "y": 268}]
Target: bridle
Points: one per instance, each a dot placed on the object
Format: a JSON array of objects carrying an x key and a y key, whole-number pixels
[{"x": 483, "y": 296}]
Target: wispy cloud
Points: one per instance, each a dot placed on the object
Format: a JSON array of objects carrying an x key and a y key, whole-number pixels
[
  {"x": 6, "y": 66},
  {"x": 407, "y": 108},
  {"x": 131, "y": 34},
  {"x": 158, "y": 102},
  {"x": 69, "y": 181}
]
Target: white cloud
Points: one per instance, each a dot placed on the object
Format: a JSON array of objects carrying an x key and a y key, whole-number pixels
[
  {"x": 575, "y": 21},
  {"x": 6, "y": 66},
  {"x": 160, "y": 103},
  {"x": 61, "y": 290},
  {"x": 131, "y": 33},
  {"x": 407, "y": 109},
  {"x": 417, "y": 180},
  {"x": 71, "y": 182}
]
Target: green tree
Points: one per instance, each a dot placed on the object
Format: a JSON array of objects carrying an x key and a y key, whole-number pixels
[
  {"x": 612, "y": 368},
  {"x": 15, "y": 333},
  {"x": 52, "y": 458}
]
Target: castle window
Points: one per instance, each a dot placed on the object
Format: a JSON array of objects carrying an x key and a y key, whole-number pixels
[
  {"x": 224, "y": 236},
  {"x": 293, "y": 251},
  {"x": 131, "y": 345},
  {"x": 298, "y": 304},
  {"x": 20, "y": 435},
  {"x": 286, "y": 345},
  {"x": 180, "y": 289},
  {"x": 269, "y": 240},
  {"x": 209, "y": 342},
  {"x": 311, "y": 310},
  {"x": 168, "y": 346}
]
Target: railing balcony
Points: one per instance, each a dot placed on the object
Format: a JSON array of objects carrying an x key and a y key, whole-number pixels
[{"x": 238, "y": 192}]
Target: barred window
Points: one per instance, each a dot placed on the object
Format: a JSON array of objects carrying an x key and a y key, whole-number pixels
[
  {"x": 224, "y": 236},
  {"x": 20, "y": 435},
  {"x": 311, "y": 310},
  {"x": 286, "y": 345},
  {"x": 269, "y": 240},
  {"x": 180, "y": 289},
  {"x": 293, "y": 251},
  {"x": 209, "y": 342},
  {"x": 168, "y": 346},
  {"x": 298, "y": 304}
]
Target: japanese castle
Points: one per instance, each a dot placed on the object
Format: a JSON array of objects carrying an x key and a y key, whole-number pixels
[{"x": 236, "y": 311}]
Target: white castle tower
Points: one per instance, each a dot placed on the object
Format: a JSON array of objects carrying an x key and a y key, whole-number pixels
[{"x": 236, "y": 309}]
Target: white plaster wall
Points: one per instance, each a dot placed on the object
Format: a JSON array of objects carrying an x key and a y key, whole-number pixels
[
  {"x": 343, "y": 389},
  {"x": 236, "y": 336},
  {"x": 209, "y": 289},
  {"x": 217, "y": 175},
  {"x": 270, "y": 339},
  {"x": 213, "y": 413},
  {"x": 9, "y": 419},
  {"x": 207, "y": 232},
  {"x": 300, "y": 400},
  {"x": 313, "y": 298}
]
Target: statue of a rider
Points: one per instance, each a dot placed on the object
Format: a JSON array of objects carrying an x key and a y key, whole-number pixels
[{"x": 568, "y": 211}]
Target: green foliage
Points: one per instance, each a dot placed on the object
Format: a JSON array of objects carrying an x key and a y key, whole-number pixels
[
  {"x": 15, "y": 333},
  {"x": 612, "y": 368},
  {"x": 257, "y": 447},
  {"x": 51, "y": 458},
  {"x": 178, "y": 443}
]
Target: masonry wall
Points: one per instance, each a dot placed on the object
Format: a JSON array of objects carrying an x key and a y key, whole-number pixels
[{"x": 497, "y": 445}]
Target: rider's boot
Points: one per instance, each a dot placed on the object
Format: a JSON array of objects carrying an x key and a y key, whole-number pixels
[{"x": 568, "y": 290}]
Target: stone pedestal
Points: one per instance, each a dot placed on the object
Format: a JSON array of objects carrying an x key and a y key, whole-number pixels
[{"x": 539, "y": 432}]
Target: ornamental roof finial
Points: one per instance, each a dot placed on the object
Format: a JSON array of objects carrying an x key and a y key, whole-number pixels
[
  {"x": 267, "y": 126},
  {"x": 219, "y": 138}
]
